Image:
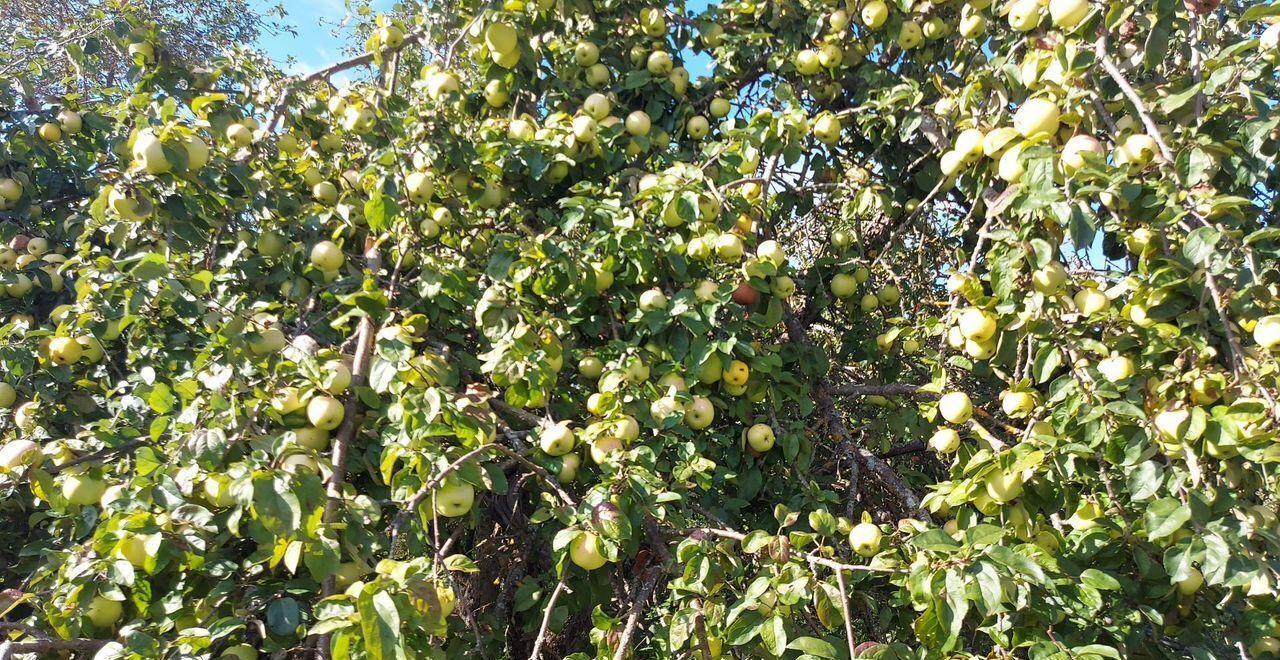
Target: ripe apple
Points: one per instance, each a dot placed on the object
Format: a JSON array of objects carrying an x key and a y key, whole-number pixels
[
  {"x": 597, "y": 106},
  {"x": 951, "y": 163},
  {"x": 627, "y": 428},
  {"x": 8, "y": 395},
  {"x": 240, "y": 652},
  {"x": 745, "y": 295},
  {"x": 569, "y": 464},
  {"x": 729, "y": 248},
  {"x": 17, "y": 453},
  {"x": 1072, "y": 158},
  {"x": 454, "y": 498},
  {"x": 1024, "y": 16},
  {"x": 719, "y": 107},
  {"x": 1137, "y": 150},
  {"x": 870, "y": 302},
  {"x": 1116, "y": 368},
  {"x": 26, "y": 416},
  {"x": 783, "y": 287},
  {"x": 148, "y": 153},
  {"x": 501, "y": 38},
  {"x": 239, "y": 135},
  {"x": 1266, "y": 332},
  {"x": 1050, "y": 279},
  {"x": 1192, "y": 583},
  {"x": 827, "y": 129},
  {"x": 698, "y": 127},
  {"x": 325, "y": 192},
  {"x": 104, "y": 613},
  {"x": 843, "y": 285},
  {"x": 806, "y": 62},
  {"x": 1265, "y": 647},
  {"x": 584, "y": 128},
  {"x": 19, "y": 287},
  {"x": 197, "y": 152},
  {"x": 760, "y": 437},
  {"x": 70, "y": 120},
  {"x": 1017, "y": 404},
  {"x": 955, "y": 407},
  {"x": 889, "y": 294},
  {"x": 441, "y": 84},
  {"x": 585, "y": 551},
  {"x": 325, "y": 412},
  {"x": 82, "y": 488},
  {"x": 910, "y": 35},
  {"x": 638, "y": 123},
  {"x": 972, "y": 24},
  {"x": 874, "y": 14},
  {"x": 557, "y": 439},
  {"x": 1003, "y": 486},
  {"x": 1010, "y": 167},
  {"x": 679, "y": 80},
  {"x": 1172, "y": 423},
  {"x": 419, "y": 186},
  {"x": 286, "y": 401},
  {"x": 602, "y": 448},
  {"x": 597, "y": 75},
  {"x": 830, "y": 56},
  {"x": 10, "y": 189},
  {"x": 64, "y": 351},
  {"x": 865, "y": 539},
  {"x": 700, "y": 413},
  {"x": 336, "y": 377},
  {"x": 944, "y": 441},
  {"x": 268, "y": 340},
  {"x": 327, "y": 256},
  {"x": 1091, "y": 301},
  {"x": 977, "y": 324},
  {"x": 311, "y": 438},
  {"x": 49, "y": 132},
  {"x": 653, "y": 299},
  {"x": 772, "y": 252},
  {"x": 1067, "y": 14},
  {"x": 737, "y": 373},
  {"x": 585, "y": 54},
  {"x": 980, "y": 350},
  {"x": 590, "y": 367},
  {"x": 1037, "y": 116},
  {"x": 659, "y": 64}
]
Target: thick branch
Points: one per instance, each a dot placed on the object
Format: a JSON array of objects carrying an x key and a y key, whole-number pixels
[
  {"x": 637, "y": 608},
  {"x": 43, "y": 647}
]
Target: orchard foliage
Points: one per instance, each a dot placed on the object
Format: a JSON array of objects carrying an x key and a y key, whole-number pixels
[{"x": 913, "y": 330}]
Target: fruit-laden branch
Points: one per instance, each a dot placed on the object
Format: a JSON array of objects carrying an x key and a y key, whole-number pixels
[
  {"x": 44, "y": 647},
  {"x": 98, "y": 455},
  {"x": 288, "y": 84},
  {"x": 702, "y": 532},
  {"x": 342, "y": 444},
  {"x": 890, "y": 389}
]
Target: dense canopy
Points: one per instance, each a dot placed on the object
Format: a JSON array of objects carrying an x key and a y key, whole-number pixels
[{"x": 594, "y": 328}]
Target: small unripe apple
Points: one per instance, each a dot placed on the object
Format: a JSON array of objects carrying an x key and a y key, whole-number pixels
[
  {"x": 104, "y": 613},
  {"x": 843, "y": 285},
  {"x": 586, "y": 54},
  {"x": 955, "y": 407},
  {"x": 869, "y": 302},
  {"x": 944, "y": 441},
  {"x": 700, "y": 413},
  {"x": 760, "y": 437},
  {"x": 806, "y": 62},
  {"x": 1018, "y": 404},
  {"x": 719, "y": 107},
  {"x": 698, "y": 127},
  {"x": 1192, "y": 583},
  {"x": 783, "y": 287},
  {"x": 865, "y": 539}
]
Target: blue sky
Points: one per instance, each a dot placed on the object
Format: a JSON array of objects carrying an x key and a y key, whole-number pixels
[{"x": 316, "y": 43}]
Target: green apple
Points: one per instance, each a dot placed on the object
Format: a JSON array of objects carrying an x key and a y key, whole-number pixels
[
  {"x": 697, "y": 127},
  {"x": 980, "y": 350},
  {"x": 1172, "y": 423},
  {"x": 830, "y": 56},
  {"x": 1003, "y": 486},
  {"x": 627, "y": 428},
  {"x": 1137, "y": 150},
  {"x": 311, "y": 438},
  {"x": 49, "y": 132},
  {"x": 1265, "y": 647},
  {"x": 1116, "y": 368},
  {"x": 870, "y": 302},
  {"x": 10, "y": 189},
  {"x": 729, "y": 248},
  {"x": 241, "y": 651},
  {"x": 827, "y": 129},
  {"x": 955, "y": 407},
  {"x": 602, "y": 448},
  {"x": 700, "y": 413},
  {"x": 1024, "y": 15},
  {"x": 590, "y": 367},
  {"x": 336, "y": 377},
  {"x": 874, "y": 14},
  {"x": 268, "y": 340},
  {"x": 17, "y": 453},
  {"x": 653, "y": 299},
  {"x": 286, "y": 401},
  {"x": 1067, "y": 14},
  {"x": 148, "y": 153},
  {"x": 327, "y": 256},
  {"x": 865, "y": 538},
  {"x": 70, "y": 120},
  {"x": 586, "y": 54},
  {"x": 760, "y": 437},
  {"x": 1010, "y": 167},
  {"x": 806, "y": 62},
  {"x": 597, "y": 75},
  {"x": 1072, "y": 158},
  {"x": 597, "y": 106},
  {"x": 64, "y": 351},
  {"x": 719, "y": 107},
  {"x": 585, "y": 551},
  {"x": 1037, "y": 116},
  {"x": 104, "y": 613},
  {"x": 1017, "y": 404},
  {"x": 944, "y": 441},
  {"x": 1192, "y": 583},
  {"x": 556, "y": 439},
  {"x": 584, "y": 128},
  {"x": 977, "y": 324},
  {"x": 783, "y": 287},
  {"x": 910, "y": 35},
  {"x": 82, "y": 489},
  {"x": 325, "y": 192},
  {"x": 454, "y": 498},
  {"x": 325, "y": 412},
  {"x": 711, "y": 370},
  {"x": 772, "y": 252},
  {"x": 659, "y": 64},
  {"x": 638, "y": 123},
  {"x": 889, "y": 294},
  {"x": 1050, "y": 279},
  {"x": 843, "y": 285},
  {"x": 569, "y": 464},
  {"x": 1091, "y": 301},
  {"x": 239, "y": 135},
  {"x": 1266, "y": 332},
  {"x": 419, "y": 186}
]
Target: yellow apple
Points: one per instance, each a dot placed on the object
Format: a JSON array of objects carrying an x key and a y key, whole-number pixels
[
  {"x": 1073, "y": 151},
  {"x": 327, "y": 256},
  {"x": 1017, "y": 404},
  {"x": 1266, "y": 332},
  {"x": 104, "y": 613},
  {"x": 557, "y": 439},
  {"x": 311, "y": 438},
  {"x": 82, "y": 488},
  {"x": 760, "y": 437},
  {"x": 70, "y": 120},
  {"x": 874, "y": 14},
  {"x": 638, "y": 123},
  {"x": 1067, "y": 14},
  {"x": 325, "y": 412},
  {"x": 1116, "y": 368},
  {"x": 737, "y": 373},
  {"x": 1050, "y": 279},
  {"x": 65, "y": 350},
  {"x": 585, "y": 552},
  {"x": 827, "y": 129},
  {"x": 865, "y": 539},
  {"x": 602, "y": 448},
  {"x": 944, "y": 441},
  {"x": 977, "y": 324},
  {"x": 955, "y": 407},
  {"x": 454, "y": 498},
  {"x": 1003, "y": 486},
  {"x": 1091, "y": 301},
  {"x": 1037, "y": 116}
]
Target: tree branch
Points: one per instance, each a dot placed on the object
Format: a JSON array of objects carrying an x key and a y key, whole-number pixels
[
  {"x": 48, "y": 646},
  {"x": 637, "y": 608},
  {"x": 546, "y": 620}
]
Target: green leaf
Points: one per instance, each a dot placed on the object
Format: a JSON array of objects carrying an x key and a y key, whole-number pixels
[
  {"x": 276, "y": 506},
  {"x": 1200, "y": 244},
  {"x": 773, "y": 633},
  {"x": 284, "y": 616},
  {"x": 813, "y": 646},
  {"x": 1144, "y": 480},
  {"x": 1166, "y": 516},
  {"x": 1099, "y": 580},
  {"x": 380, "y": 622},
  {"x": 1048, "y": 359},
  {"x": 935, "y": 540}
]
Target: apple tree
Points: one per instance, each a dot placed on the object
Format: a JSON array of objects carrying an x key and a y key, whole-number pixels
[{"x": 582, "y": 328}]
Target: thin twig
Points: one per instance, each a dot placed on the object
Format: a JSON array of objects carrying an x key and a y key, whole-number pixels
[
  {"x": 546, "y": 620},
  {"x": 844, "y": 611},
  {"x": 637, "y": 608}
]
